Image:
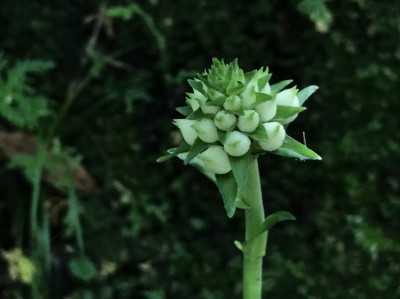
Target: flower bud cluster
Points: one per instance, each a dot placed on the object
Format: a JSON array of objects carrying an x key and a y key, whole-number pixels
[{"x": 233, "y": 113}]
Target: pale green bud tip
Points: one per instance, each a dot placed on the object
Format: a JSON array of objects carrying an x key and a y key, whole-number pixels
[
  {"x": 288, "y": 97},
  {"x": 276, "y": 134},
  {"x": 185, "y": 126},
  {"x": 237, "y": 144},
  {"x": 224, "y": 120},
  {"x": 232, "y": 103},
  {"x": 249, "y": 121},
  {"x": 266, "y": 110},
  {"x": 216, "y": 159},
  {"x": 206, "y": 130}
]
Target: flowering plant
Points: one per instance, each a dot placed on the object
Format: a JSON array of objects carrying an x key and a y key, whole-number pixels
[{"x": 230, "y": 119}]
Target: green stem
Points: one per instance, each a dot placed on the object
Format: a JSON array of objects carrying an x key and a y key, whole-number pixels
[{"x": 254, "y": 250}]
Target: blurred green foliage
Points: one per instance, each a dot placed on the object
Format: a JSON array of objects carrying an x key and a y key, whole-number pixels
[{"x": 160, "y": 231}]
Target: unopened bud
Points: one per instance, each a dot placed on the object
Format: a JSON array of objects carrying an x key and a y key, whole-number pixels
[
  {"x": 266, "y": 110},
  {"x": 216, "y": 159},
  {"x": 237, "y": 144},
  {"x": 224, "y": 120},
  {"x": 288, "y": 97},
  {"x": 233, "y": 103},
  {"x": 206, "y": 130},
  {"x": 210, "y": 109},
  {"x": 249, "y": 96},
  {"x": 276, "y": 134},
  {"x": 249, "y": 121},
  {"x": 185, "y": 126}
]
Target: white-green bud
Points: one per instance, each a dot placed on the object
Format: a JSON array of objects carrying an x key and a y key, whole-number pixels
[
  {"x": 224, "y": 120},
  {"x": 233, "y": 103},
  {"x": 249, "y": 96},
  {"x": 206, "y": 130},
  {"x": 249, "y": 121},
  {"x": 288, "y": 97},
  {"x": 276, "y": 134},
  {"x": 266, "y": 110},
  {"x": 237, "y": 144},
  {"x": 216, "y": 159},
  {"x": 210, "y": 109},
  {"x": 185, "y": 126}
]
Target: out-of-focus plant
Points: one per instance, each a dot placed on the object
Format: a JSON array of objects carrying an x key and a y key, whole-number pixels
[
  {"x": 24, "y": 109},
  {"x": 232, "y": 118}
]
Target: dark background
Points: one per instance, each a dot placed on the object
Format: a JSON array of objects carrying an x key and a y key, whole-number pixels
[{"x": 138, "y": 229}]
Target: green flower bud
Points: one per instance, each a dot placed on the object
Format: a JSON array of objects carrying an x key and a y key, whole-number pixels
[
  {"x": 266, "y": 110},
  {"x": 249, "y": 96},
  {"x": 210, "y": 109},
  {"x": 237, "y": 143},
  {"x": 224, "y": 120},
  {"x": 233, "y": 103},
  {"x": 216, "y": 159},
  {"x": 185, "y": 126},
  {"x": 276, "y": 134},
  {"x": 206, "y": 130},
  {"x": 288, "y": 97},
  {"x": 249, "y": 121}
]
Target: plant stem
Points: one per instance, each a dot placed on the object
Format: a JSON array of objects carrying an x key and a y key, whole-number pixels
[{"x": 255, "y": 246}]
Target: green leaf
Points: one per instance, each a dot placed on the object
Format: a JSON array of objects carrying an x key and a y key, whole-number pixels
[
  {"x": 259, "y": 133},
  {"x": 234, "y": 88},
  {"x": 221, "y": 136},
  {"x": 196, "y": 115},
  {"x": 185, "y": 111},
  {"x": 294, "y": 149},
  {"x": 240, "y": 168},
  {"x": 250, "y": 75},
  {"x": 183, "y": 147},
  {"x": 241, "y": 204},
  {"x": 82, "y": 268},
  {"x": 305, "y": 93},
  {"x": 197, "y": 147},
  {"x": 279, "y": 86},
  {"x": 283, "y": 112},
  {"x": 196, "y": 85},
  {"x": 273, "y": 219},
  {"x": 263, "y": 81},
  {"x": 197, "y": 163},
  {"x": 228, "y": 188}
]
